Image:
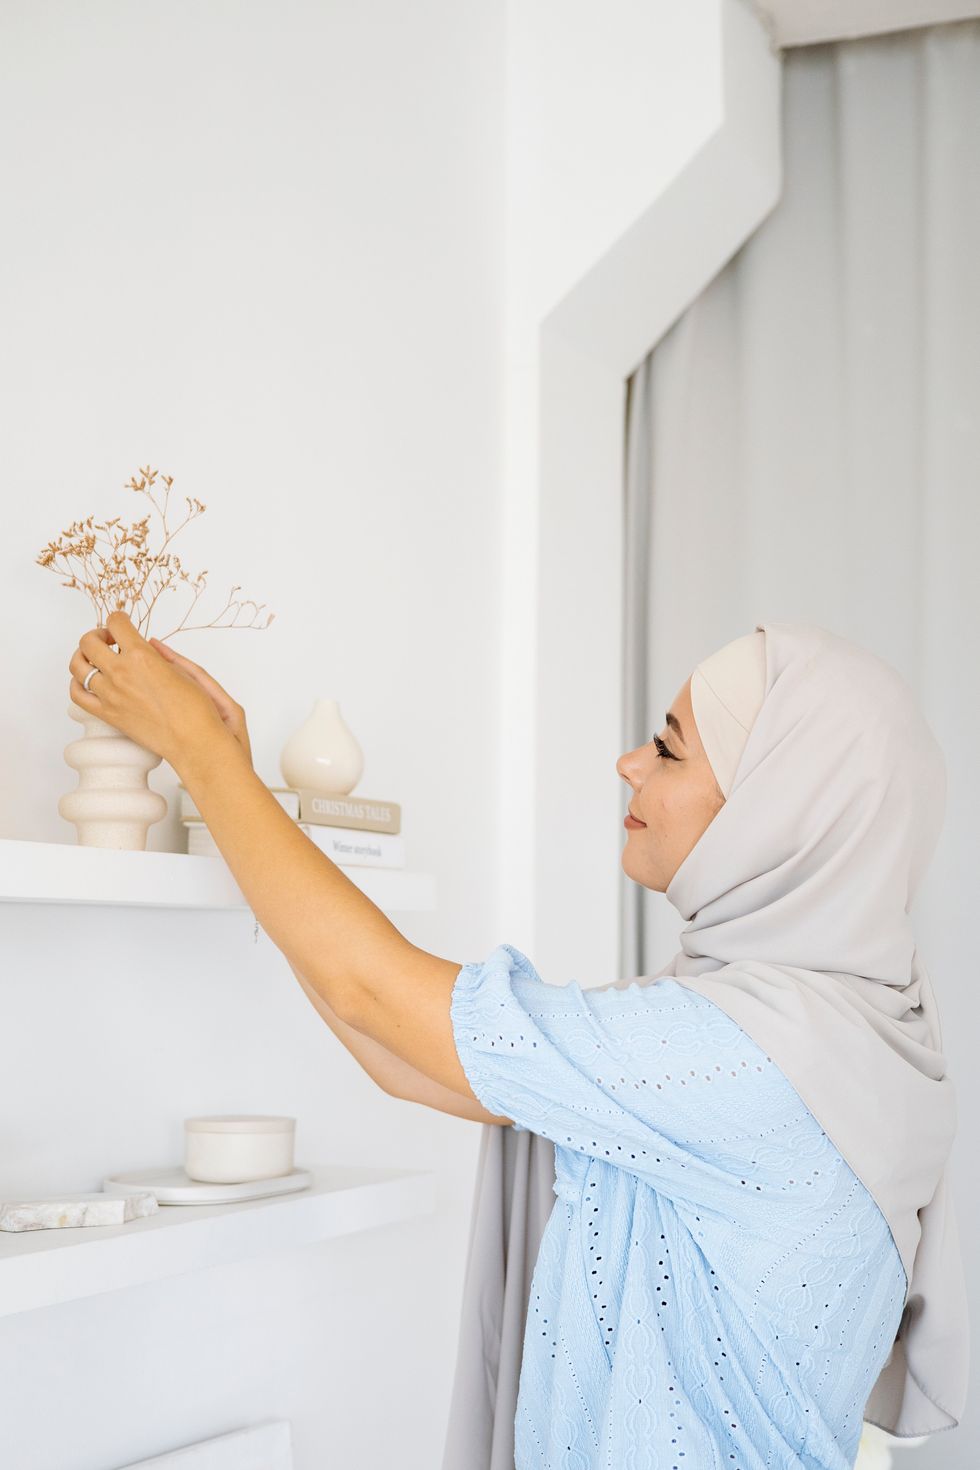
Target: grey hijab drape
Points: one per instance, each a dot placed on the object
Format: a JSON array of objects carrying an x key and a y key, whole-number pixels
[
  {"x": 797, "y": 901},
  {"x": 797, "y": 897}
]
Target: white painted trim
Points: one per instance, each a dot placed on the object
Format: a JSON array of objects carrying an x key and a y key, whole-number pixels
[{"x": 812, "y": 22}]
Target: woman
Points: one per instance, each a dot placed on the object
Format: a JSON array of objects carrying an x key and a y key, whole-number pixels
[{"x": 751, "y": 1246}]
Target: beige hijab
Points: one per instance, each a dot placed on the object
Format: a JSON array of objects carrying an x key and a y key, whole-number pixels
[{"x": 797, "y": 899}]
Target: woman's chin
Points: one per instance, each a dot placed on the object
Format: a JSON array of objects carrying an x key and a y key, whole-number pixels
[{"x": 633, "y": 867}]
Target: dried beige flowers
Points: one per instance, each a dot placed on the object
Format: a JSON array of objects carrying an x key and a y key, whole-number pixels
[{"x": 125, "y": 575}]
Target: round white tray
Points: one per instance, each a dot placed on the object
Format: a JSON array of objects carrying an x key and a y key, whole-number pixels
[{"x": 172, "y": 1186}]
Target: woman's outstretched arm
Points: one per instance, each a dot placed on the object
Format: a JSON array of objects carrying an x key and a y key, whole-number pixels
[
  {"x": 369, "y": 974},
  {"x": 393, "y": 1075},
  {"x": 350, "y": 952}
]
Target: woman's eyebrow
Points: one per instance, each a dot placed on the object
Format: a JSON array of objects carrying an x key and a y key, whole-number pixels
[{"x": 675, "y": 724}]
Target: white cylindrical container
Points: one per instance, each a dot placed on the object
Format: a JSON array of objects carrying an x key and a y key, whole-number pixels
[{"x": 233, "y": 1148}]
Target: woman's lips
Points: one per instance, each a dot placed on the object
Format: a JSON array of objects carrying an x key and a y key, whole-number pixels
[{"x": 630, "y": 822}]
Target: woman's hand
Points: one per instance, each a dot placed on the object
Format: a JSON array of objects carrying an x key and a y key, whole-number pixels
[
  {"x": 231, "y": 712},
  {"x": 143, "y": 694}
]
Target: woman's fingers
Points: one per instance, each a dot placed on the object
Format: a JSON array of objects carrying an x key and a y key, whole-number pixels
[
  {"x": 229, "y": 709},
  {"x": 171, "y": 653},
  {"x": 223, "y": 700}
]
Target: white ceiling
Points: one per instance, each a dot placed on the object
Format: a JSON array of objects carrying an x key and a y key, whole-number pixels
[{"x": 806, "y": 22}]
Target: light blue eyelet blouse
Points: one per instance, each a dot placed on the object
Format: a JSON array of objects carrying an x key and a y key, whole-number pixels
[{"x": 715, "y": 1289}]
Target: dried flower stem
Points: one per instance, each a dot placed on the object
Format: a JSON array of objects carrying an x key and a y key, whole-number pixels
[{"x": 119, "y": 578}]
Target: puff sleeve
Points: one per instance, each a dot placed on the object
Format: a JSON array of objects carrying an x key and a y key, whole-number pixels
[{"x": 648, "y": 1076}]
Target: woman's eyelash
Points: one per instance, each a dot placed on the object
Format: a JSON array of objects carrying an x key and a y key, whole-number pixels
[{"x": 662, "y": 749}]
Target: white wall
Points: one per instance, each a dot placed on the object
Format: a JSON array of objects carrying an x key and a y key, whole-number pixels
[
  {"x": 270, "y": 249},
  {"x": 257, "y": 246}
]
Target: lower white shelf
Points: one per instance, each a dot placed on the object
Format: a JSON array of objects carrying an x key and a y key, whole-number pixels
[{"x": 39, "y": 1268}]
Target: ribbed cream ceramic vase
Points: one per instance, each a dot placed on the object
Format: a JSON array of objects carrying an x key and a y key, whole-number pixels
[{"x": 112, "y": 806}]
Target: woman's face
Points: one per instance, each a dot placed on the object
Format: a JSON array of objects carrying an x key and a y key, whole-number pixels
[{"x": 674, "y": 793}]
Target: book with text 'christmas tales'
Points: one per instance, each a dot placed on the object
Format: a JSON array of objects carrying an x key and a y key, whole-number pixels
[{"x": 318, "y": 809}]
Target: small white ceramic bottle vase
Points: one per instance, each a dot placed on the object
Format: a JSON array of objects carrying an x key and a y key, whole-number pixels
[
  {"x": 323, "y": 754},
  {"x": 112, "y": 805}
]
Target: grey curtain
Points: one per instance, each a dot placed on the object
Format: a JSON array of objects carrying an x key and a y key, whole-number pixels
[
  {"x": 514, "y": 1196},
  {"x": 804, "y": 442}
]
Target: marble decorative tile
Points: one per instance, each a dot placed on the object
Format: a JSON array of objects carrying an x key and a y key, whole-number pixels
[{"x": 52, "y": 1212}]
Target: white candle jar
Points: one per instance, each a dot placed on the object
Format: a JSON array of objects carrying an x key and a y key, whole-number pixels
[{"x": 233, "y": 1148}]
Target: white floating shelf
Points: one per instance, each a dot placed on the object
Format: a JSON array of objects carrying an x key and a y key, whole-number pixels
[
  {"x": 60, "y": 872},
  {"x": 39, "y": 1268}
]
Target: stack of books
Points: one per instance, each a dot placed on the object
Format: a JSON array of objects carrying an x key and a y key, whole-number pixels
[{"x": 355, "y": 831}]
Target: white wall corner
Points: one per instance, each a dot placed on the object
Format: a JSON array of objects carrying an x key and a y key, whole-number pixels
[{"x": 587, "y": 298}]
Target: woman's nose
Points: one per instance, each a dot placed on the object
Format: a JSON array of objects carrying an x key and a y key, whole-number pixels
[{"x": 626, "y": 765}]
